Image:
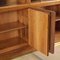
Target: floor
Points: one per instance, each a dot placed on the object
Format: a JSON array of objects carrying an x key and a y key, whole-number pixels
[{"x": 38, "y": 56}]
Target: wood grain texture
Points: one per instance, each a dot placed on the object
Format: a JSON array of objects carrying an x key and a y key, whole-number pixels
[
  {"x": 31, "y": 5},
  {"x": 44, "y": 3},
  {"x": 21, "y": 50},
  {"x": 37, "y": 27},
  {"x": 11, "y": 26},
  {"x": 51, "y": 25},
  {"x": 54, "y": 16},
  {"x": 4, "y": 44},
  {"x": 23, "y": 18},
  {"x": 52, "y": 31},
  {"x": 14, "y": 46},
  {"x": 38, "y": 30},
  {"x": 13, "y": 7},
  {"x": 8, "y": 23},
  {"x": 7, "y": 18}
]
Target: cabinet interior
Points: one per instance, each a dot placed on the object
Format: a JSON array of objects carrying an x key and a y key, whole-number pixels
[
  {"x": 56, "y": 9},
  {"x": 14, "y": 28},
  {"x": 14, "y": 33}
]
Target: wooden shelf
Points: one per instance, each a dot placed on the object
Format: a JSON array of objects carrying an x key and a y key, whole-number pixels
[
  {"x": 12, "y": 48},
  {"x": 15, "y": 50},
  {"x": 11, "y": 42},
  {"x": 58, "y": 18},
  {"x": 11, "y": 26}
]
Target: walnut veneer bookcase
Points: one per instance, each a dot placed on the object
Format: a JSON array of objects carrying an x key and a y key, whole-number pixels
[
  {"x": 27, "y": 26},
  {"x": 13, "y": 30}
]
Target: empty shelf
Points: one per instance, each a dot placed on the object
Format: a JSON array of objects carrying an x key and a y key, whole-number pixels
[
  {"x": 11, "y": 26},
  {"x": 11, "y": 42},
  {"x": 12, "y": 48},
  {"x": 20, "y": 43},
  {"x": 16, "y": 52}
]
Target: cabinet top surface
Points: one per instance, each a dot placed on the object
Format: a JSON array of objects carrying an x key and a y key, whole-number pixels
[{"x": 28, "y": 5}]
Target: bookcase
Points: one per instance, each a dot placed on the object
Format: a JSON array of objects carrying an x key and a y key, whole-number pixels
[
  {"x": 27, "y": 26},
  {"x": 13, "y": 31}
]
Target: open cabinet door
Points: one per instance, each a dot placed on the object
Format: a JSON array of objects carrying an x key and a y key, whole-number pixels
[
  {"x": 52, "y": 31},
  {"x": 39, "y": 32}
]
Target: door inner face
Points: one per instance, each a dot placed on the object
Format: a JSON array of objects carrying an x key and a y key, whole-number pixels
[{"x": 39, "y": 29}]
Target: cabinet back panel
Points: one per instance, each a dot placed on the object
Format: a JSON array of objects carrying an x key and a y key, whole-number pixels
[
  {"x": 8, "y": 17},
  {"x": 23, "y": 16},
  {"x": 8, "y": 35}
]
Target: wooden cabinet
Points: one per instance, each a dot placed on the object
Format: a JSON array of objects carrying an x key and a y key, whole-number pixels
[
  {"x": 27, "y": 27},
  {"x": 42, "y": 29},
  {"x": 13, "y": 35},
  {"x": 14, "y": 32},
  {"x": 38, "y": 30}
]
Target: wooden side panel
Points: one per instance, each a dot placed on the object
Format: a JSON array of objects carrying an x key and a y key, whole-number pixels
[
  {"x": 23, "y": 18},
  {"x": 52, "y": 31},
  {"x": 38, "y": 30}
]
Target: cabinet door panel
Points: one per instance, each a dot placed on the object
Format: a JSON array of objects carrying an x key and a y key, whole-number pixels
[
  {"x": 52, "y": 31},
  {"x": 41, "y": 30},
  {"x": 38, "y": 30}
]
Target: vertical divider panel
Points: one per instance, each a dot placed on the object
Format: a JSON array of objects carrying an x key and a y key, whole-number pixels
[{"x": 23, "y": 18}]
